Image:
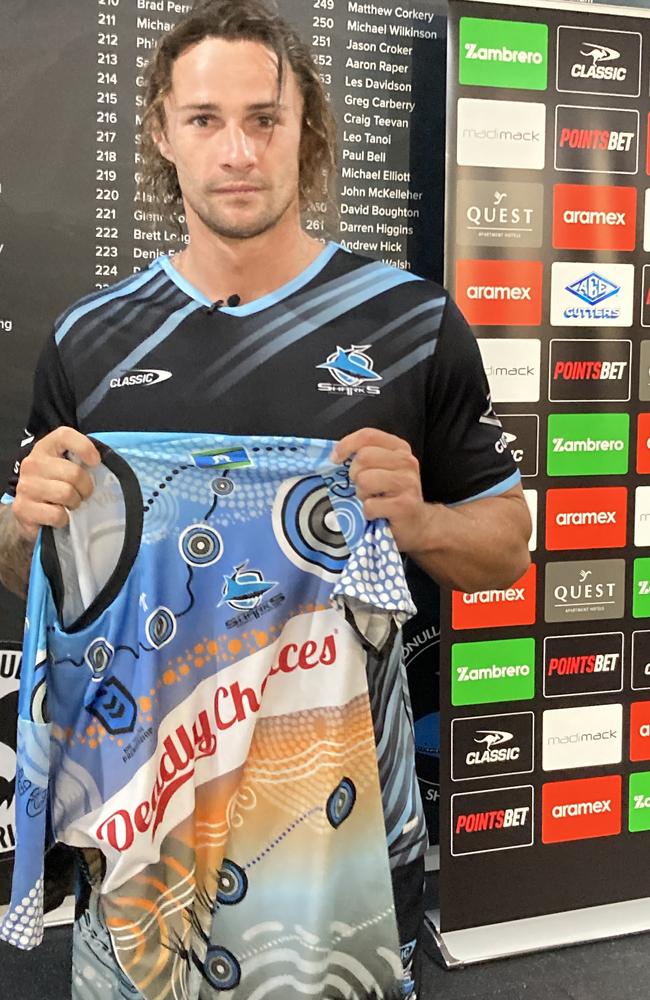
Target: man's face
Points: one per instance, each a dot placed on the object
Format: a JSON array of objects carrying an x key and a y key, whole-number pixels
[{"x": 234, "y": 140}]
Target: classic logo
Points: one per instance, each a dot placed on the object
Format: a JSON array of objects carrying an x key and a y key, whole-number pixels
[
  {"x": 640, "y": 661},
  {"x": 580, "y": 371},
  {"x": 492, "y": 214},
  {"x": 500, "y": 292},
  {"x": 521, "y": 432},
  {"x": 645, "y": 311},
  {"x": 510, "y": 134},
  {"x": 497, "y": 819},
  {"x": 583, "y": 296},
  {"x": 499, "y": 670},
  {"x": 512, "y": 368},
  {"x": 641, "y": 598},
  {"x": 582, "y": 737},
  {"x": 594, "y": 61},
  {"x": 512, "y": 54},
  {"x": 586, "y": 518},
  {"x": 640, "y": 730},
  {"x": 591, "y": 590},
  {"x": 588, "y": 444},
  {"x": 353, "y": 371},
  {"x": 583, "y": 664},
  {"x": 639, "y": 802},
  {"x": 588, "y": 217},
  {"x": 494, "y": 608},
  {"x": 581, "y": 810},
  {"x": 596, "y": 140},
  {"x": 139, "y": 376},
  {"x": 492, "y": 745}
]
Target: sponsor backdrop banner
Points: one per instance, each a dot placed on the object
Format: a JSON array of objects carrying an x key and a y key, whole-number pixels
[
  {"x": 545, "y": 695},
  {"x": 70, "y": 111}
]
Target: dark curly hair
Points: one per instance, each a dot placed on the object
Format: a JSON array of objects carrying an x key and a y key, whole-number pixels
[{"x": 237, "y": 20}]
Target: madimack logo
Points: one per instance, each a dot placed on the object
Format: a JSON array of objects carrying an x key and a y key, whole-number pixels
[
  {"x": 582, "y": 737},
  {"x": 500, "y": 292},
  {"x": 495, "y": 608},
  {"x": 584, "y": 370},
  {"x": 586, "y": 217},
  {"x": 510, "y": 134},
  {"x": 493, "y": 820},
  {"x": 583, "y": 664},
  {"x": 596, "y": 140},
  {"x": 586, "y": 518},
  {"x": 593, "y": 61},
  {"x": 580, "y": 810},
  {"x": 492, "y": 745}
]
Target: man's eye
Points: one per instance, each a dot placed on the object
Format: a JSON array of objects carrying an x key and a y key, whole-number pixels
[
  {"x": 266, "y": 121},
  {"x": 200, "y": 120}
]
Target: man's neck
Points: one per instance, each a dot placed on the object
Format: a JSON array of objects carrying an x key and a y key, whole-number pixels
[{"x": 249, "y": 268}]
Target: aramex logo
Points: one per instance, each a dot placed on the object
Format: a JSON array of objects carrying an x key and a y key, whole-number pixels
[
  {"x": 582, "y": 809},
  {"x": 491, "y": 293},
  {"x": 500, "y": 292},
  {"x": 594, "y": 217},
  {"x": 496, "y": 608},
  {"x": 586, "y": 517}
]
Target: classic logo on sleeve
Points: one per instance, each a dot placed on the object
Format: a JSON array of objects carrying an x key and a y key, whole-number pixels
[
  {"x": 588, "y": 444},
  {"x": 586, "y": 518},
  {"x": 492, "y": 746},
  {"x": 584, "y": 370},
  {"x": 493, "y": 608},
  {"x": 512, "y": 368},
  {"x": 582, "y": 737},
  {"x": 589, "y": 590},
  {"x": 499, "y": 214},
  {"x": 640, "y": 661},
  {"x": 497, "y": 819},
  {"x": 581, "y": 810},
  {"x": 512, "y": 54},
  {"x": 586, "y": 295},
  {"x": 596, "y": 140},
  {"x": 485, "y": 672},
  {"x": 588, "y": 217},
  {"x": 500, "y": 292},
  {"x": 509, "y": 134},
  {"x": 521, "y": 437},
  {"x": 594, "y": 61},
  {"x": 583, "y": 664}
]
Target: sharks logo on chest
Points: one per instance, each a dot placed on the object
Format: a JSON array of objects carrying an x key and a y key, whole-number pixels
[{"x": 352, "y": 370}]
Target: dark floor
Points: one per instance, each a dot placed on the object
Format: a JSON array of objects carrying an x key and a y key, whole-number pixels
[{"x": 609, "y": 970}]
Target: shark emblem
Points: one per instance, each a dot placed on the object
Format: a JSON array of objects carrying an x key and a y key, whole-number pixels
[
  {"x": 244, "y": 588},
  {"x": 493, "y": 737},
  {"x": 352, "y": 366}
]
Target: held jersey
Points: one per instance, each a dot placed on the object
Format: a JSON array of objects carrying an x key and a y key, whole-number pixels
[{"x": 202, "y": 649}]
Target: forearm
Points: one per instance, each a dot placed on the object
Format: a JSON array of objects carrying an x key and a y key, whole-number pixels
[
  {"x": 15, "y": 554},
  {"x": 477, "y": 546}
]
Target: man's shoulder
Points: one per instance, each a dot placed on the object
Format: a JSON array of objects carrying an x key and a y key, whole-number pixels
[{"x": 385, "y": 273}]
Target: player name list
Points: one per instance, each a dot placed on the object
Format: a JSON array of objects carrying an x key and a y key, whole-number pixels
[{"x": 365, "y": 54}]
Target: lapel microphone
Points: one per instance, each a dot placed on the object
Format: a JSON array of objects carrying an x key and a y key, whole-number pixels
[{"x": 232, "y": 301}]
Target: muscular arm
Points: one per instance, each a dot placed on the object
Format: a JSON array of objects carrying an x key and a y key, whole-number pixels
[{"x": 15, "y": 553}]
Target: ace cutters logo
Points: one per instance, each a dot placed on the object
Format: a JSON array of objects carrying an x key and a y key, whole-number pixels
[
  {"x": 497, "y": 819},
  {"x": 584, "y": 370},
  {"x": 582, "y": 295},
  {"x": 596, "y": 140},
  {"x": 587, "y": 217},
  {"x": 583, "y": 664},
  {"x": 510, "y": 134},
  {"x": 582, "y": 737},
  {"x": 581, "y": 810},
  {"x": 494, "y": 53},
  {"x": 592, "y": 590},
  {"x": 500, "y": 292},
  {"x": 594, "y": 61},
  {"x": 494, "y": 608},
  {"x": 503, "y": 214},
  {"x": 586, "y": 518},
  {"x": 492, "y": 745}
]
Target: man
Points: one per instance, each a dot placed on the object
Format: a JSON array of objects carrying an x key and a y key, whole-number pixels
[{"x": 312, "y": 341}]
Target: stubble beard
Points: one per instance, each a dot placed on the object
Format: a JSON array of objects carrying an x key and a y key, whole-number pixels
[{"x": 221, "y": 226}]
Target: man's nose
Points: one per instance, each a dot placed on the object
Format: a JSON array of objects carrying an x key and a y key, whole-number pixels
[{"x": 237, "y": 148}]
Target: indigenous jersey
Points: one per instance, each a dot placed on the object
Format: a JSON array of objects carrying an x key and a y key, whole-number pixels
[{"x": 203, "y": 645}]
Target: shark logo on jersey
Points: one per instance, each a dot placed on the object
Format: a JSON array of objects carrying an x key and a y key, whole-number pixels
[
  {"x": 245, "y": 588},
  {"x": 352, "y": 369}
]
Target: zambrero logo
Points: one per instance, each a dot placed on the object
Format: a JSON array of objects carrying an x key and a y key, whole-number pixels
[
  {"x": 484, "y": 672},
  {"x": 496, "y": 53},
  {"x": 353, "y": 371},
  {"x": 588, "y": 444},
  {"x": 579, "y": 810}
]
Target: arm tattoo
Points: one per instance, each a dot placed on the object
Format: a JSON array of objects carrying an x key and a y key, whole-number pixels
[{"x": 15, "y": 554}]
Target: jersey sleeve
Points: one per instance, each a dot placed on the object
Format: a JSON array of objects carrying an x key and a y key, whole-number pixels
[
  {"x": 53, "y": 405},
  {"x": 465, "y": 456}
]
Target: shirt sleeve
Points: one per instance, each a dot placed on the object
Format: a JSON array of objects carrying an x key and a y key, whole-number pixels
[
  {"x": 53, "y": 405},
  {"x": 465, "y": 454}
]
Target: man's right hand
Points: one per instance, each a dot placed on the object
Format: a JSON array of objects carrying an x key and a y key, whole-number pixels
[{"x": 49, "y": 483}]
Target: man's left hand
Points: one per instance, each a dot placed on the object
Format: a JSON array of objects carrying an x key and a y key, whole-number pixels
[{"x": 386, "y": 475}]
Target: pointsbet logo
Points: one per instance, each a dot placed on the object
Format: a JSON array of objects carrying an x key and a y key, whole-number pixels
[
  {"x": 588, "y": 444},
  {"x": 586, "y": 518},
  {"x": 595, "y": 61},
  {"x": 583, "y": 664},
  {"x": 639, "y": 802},
  {"x": 596, "y": 140},
  {"x": 492, "y": 608},
  {"x": 497, "y": 819},
  {"x": 512, "y": 54},
  {"x": 587, "y": 217},
  {"x": 581, "y": 810},
  {"x": 500, "y": 292},
  {"x": 582, "y": 737},
  {"x": 583, "y": 370},
  {"x": 485, "y": 672},
  {"x": 492, "y": 745}
]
